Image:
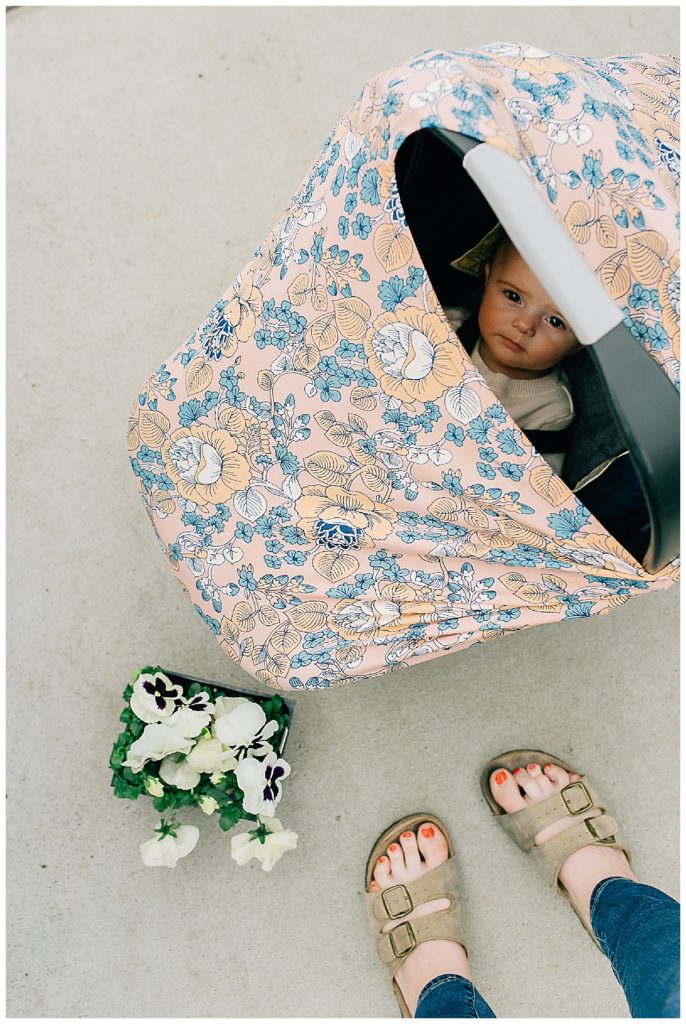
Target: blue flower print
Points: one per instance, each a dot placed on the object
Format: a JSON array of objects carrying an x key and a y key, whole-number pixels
[
  {"x": 478, "y": 430},
  {"x": 362, "y": 226},
  {"x": 592, "y": 172},
  {"x": 343, "y": 227},
  {"x": 328, "y": 392},
  {"x": 567, "y": 524},
  {"x": 639, "y": 297},
  {"x": 486, "y": 471},
  {"x": 592, "y": 106},
  {"x": 369, "y": 193},
  {"x": 511, "y": 470},
  {"x": 337, "y": 183},
  {"x": 191, "y": 411},
  {"x": 391, "y": 104},
  {"x": 507, "y": 442},
  {"x": 626, "y": 152},
  {"x": 455, "y": 434},
  {"x": 496, "y": 412},
  {"x": 658, "y": 337},
  {"x": 350, "y": 202}
]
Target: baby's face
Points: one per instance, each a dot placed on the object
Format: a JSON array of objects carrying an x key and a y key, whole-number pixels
[{"x": 519, "y": 324}]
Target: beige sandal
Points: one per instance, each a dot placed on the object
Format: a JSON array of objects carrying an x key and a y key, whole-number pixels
[
  {"x": 575, "y": 798},
  {"x": 399, "y": 900}
]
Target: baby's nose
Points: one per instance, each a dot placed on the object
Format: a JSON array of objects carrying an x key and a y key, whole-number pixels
[{"x": 525, "y": 324}]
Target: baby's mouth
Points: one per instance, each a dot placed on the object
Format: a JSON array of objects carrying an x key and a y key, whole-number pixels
[{"x": 512, "y": 344}]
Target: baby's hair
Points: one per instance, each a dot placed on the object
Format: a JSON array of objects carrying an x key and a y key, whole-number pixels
[{"x": 505, "y": 245}]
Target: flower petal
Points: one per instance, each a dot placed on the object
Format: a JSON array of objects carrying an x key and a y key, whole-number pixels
[
  {"x": 275, "y": 845},
  {"x": 241, "y": 725},
  {"x": 179, "y": 773},
  {"x": 243, "y": 848}
]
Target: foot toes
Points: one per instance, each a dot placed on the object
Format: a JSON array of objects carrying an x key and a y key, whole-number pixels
[
  {"x": 374, "y": 887},
  {"x": 382, "y": 872},
  {"x": 408, "y": 841},
  {"x": 432, "y": 844},
  {"x": 506, "y": 791},
  {"x": 557, "y": 775},
  {"x": 395, "y": 856},
  {"x": 534, "y": 770}
]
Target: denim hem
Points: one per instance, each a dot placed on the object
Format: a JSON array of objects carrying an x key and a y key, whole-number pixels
[{"x": 437, "y": 982}]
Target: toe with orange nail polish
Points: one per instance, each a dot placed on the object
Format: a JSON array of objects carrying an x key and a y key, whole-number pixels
[
  {"x": 393, "y": 847},
  {"x": 382, "y": 860},
  {"x": 407, "y": 835},
  {"x": 532, "y": 766},
  {"x": 516, "y": 771},
  {"x": 500, "y": 778},
  {"x": 428, "y": 833}
]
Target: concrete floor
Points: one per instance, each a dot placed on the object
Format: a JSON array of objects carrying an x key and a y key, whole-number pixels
[{"x": 149, "y": 151}]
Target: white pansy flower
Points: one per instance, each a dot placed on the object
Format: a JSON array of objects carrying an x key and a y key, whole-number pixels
[
  {"x": 171, "y": 846},
  {"x": 154, "y": 697},
  {"x": 179, "y": 773},
  {"x": 225, "y": 705},
  {"x": 208, "y": 805},
  {"x": 261, "y": 783},
  {"x": 267, "y": 844},
  {"x": 188, "y": 722},
  {"x": 156, "y": 742},
  {"x": 208, "y": 755},
  {"x": 246, "y": 730},
  {"x": 153, "y": 786}
]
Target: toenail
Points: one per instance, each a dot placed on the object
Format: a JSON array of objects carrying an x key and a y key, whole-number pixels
[
  {"x": 516, "y": 771},
  {"x": 532, "y": 766},
  {"x": 382, "y": 860},
  {"x": 500, "y": 777},
  {"x": 428, "y": 833},
  {"x": 407, "y": 835},
  {"x": 393, "y": 846}
]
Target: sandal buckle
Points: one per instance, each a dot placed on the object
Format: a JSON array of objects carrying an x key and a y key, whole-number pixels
[
  {"x": 397, "y": 901},
  {"x": 576, "y": 790},
  {"x": 589, "y": 823},
  {"x": 407, "y": 940}
]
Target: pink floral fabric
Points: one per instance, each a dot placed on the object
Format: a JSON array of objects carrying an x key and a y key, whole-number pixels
[{"x": 329, "y": 475}]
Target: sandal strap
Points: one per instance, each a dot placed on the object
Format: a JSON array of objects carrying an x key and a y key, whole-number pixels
[
  {"x": 602, "y": 830},
  {"x": 524, "y": 825},
  {"x": 399, "y": 900},
  {"x": 442, "y": 882},
  {"x": 394, "y": 945}
]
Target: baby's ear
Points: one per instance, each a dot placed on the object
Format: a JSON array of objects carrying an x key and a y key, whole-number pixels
[{"x": 487, "y": 270}]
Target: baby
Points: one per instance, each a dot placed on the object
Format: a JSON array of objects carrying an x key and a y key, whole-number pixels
[{"x": 522, "y": 338}]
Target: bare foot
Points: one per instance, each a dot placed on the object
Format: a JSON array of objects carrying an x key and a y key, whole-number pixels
[
  {"x": 583, "y": 869},
  {"x": 414, "y": 855}
]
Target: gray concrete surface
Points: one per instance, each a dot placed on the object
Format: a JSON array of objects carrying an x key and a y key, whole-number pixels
[{"x": 149, "y": 151}]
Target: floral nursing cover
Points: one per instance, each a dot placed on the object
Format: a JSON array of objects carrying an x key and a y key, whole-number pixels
[{"x": 330, "y": 477}]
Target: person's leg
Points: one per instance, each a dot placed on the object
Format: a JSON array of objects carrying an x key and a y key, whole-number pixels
[
  {"x": 436, "y": 973},
  {"x": 451, "y": 995},
  {"x": 637, "y": 927},
  {"x": 638, "y": 924}
]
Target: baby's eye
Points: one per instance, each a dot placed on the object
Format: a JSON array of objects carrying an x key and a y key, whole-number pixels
[
  {"x": 512, "y": 296},
  {"x": 557, "y": 323}
]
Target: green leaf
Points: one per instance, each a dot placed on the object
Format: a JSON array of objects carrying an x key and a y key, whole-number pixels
[
  {"x": 124, "y": 791},
  {"x": 117, "y": 757},
  {"x": 229, "y": 817},
  {"x": 136, "y": 728}
]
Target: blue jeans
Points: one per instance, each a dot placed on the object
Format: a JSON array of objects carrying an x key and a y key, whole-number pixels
[{"x": 637, "y": 927}]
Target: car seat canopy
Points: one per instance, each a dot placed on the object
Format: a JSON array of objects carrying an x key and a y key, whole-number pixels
[{"x": 331, "y": 479}]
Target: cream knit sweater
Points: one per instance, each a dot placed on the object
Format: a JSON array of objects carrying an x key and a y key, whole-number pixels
[{"x": 543, "y": 403}]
